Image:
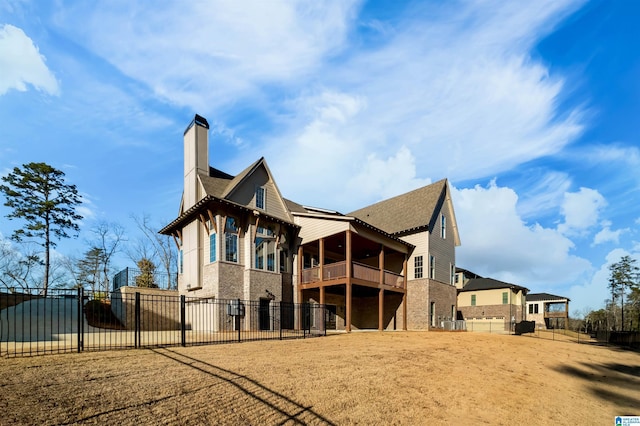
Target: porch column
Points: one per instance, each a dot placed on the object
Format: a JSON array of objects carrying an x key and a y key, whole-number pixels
[
  {"x": 300, "y": 263},
  {"x": 348, "y": 284},
  {"x": 381, "y": 291},
  {"x": 381, "y": 264},
  {"x": 381, "y": 309},
  {"x": 404, "y": 295},
  {"x": 321, "y": 259},
  {"x": 322, "y": 295}
]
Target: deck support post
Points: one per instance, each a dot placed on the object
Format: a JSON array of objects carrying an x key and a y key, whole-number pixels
[{"x": 348, "y": 291}]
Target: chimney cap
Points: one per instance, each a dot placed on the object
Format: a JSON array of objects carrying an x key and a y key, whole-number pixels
[{"x": 197, "y": 120}]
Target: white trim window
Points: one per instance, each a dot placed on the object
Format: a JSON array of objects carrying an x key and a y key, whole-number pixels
[
  {"x": 417, "y": 267},
  {"x": 432, "y": 267},
  {"x": 443, "y": 226}
]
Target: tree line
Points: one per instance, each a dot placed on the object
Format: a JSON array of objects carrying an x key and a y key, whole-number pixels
[
  {"x": 46, "y": 206},
  {"x": 622, "y": 310}
]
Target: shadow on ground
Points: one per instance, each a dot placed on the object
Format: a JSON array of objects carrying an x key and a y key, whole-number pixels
[
  {"x": 286, "y": 408},
  {"x": 623, "y": 377}
]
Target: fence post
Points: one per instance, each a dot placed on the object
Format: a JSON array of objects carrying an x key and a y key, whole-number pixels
[
  {"x": 237, "y": 318},
  {"x": 324, "y": 319},
  {"x": 80, "y": 317},
  {"x": 136, "y": 332},
  {"x": 183, "y": 321},
  {"x": 280, "y": 308}
]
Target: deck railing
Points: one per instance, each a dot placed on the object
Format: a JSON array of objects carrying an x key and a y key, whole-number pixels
[
  {"x": 360, "y": 271},
  {"x": 334, "y": 270}
]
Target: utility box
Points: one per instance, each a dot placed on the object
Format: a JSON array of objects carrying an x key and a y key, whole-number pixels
[{"x": 235, "y": 308}]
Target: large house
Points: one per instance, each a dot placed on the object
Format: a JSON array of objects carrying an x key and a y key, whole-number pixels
[
  {"x": 548, "y": 310},
  {"x": 489, "y": 304},
  {"x": 387, "y": 266}
]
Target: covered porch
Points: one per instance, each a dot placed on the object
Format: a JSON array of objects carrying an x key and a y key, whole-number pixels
[{"x": 356, "y": 266}]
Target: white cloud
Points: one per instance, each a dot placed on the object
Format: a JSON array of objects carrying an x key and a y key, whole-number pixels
[
  {"x": 499, "y": 244},
  {"x": 383, "y": 179},
  {"x": 613, "y": 152},
  {"x": 581, "y": 210},
  {"x": 466, "y": 101},
  {"x": 607, "y": 235},
  {"x": 210, "y": 53},
  {"x": 453, "y": 85},
  {"x": 22, "y": 64},
  {"x": 544, "y": 193}
]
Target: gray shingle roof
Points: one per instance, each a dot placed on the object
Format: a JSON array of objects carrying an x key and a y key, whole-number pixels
[
  {"x": 412, "y": 210},
  {"x": 538, "y": 297},
  {"x": 475, "y": 284}
]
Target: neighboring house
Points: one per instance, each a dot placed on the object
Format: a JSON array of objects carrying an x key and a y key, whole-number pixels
[
  {"x": 387, "y": 266},
  {"x": 488, "y": 303},
  {"x": 548, "y": 310},
  {"x": 463, "y": 276}
]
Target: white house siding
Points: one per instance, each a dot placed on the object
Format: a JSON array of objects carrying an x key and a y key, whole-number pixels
[
  {"x": 373, "y": 236},
  {"x": 191, "y": 255},
  {"x": 421, "y": 242},
  {"x": 314, "y": 228},
  {"x": 442, "y": 248},
  {"x": 245, "y": 194}
]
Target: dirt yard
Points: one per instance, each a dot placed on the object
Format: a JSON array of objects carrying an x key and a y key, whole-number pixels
[{"x": 358, "y": 378}]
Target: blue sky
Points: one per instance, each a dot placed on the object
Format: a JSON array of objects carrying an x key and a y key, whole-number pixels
[{"x": 528, "y": 108}]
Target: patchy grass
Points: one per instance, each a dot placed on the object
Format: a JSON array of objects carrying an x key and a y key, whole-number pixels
[{"x": 358, "y": 378}]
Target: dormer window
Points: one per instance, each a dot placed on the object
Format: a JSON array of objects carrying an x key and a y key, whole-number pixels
[{"x": 260, "y": 197}]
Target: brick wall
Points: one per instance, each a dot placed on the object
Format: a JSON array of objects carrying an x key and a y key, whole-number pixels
[{"x": 420, "y": 294}]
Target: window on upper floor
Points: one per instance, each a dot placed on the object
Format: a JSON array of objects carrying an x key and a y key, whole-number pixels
[
  {"x": 260, "y": 197},
  {"x": 443, "y": 226},
  {"x": 417, "y": 267},
  {"x": 265, "y": 251},
  {"x": 533, "y": 308},
  {"x": 231, "y": 240},
  {"x": 432, "y": 267},
  {"x": 473, "y": 300},
  {"x": 505, "y": 297},
  {"x": 181, "y": 262},
  {"x": 452, "y": 274},
  {"x": 213, "y": 244}
]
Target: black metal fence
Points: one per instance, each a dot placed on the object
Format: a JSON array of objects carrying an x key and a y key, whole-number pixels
[
  {"x": 130, "y": 277},
  {"x": 77, "y": 320}
]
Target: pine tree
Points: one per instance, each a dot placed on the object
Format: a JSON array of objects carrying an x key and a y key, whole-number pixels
[
  {"x": 38, "y": 195},
  {"x": 624, "y": 277}
]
